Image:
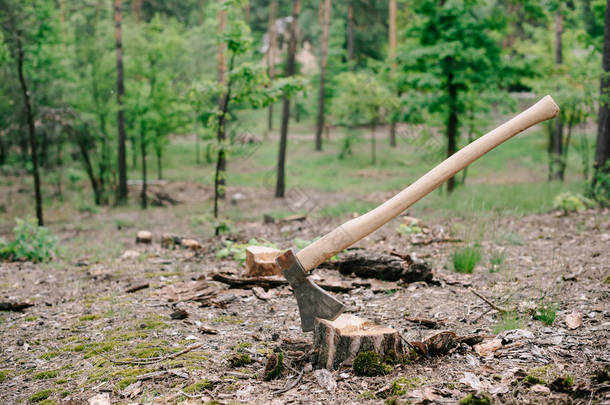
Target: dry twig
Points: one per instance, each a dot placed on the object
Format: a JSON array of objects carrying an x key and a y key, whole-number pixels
[
  {"x": 491, "y": 304},
  {"x": 291, "y": 385}
]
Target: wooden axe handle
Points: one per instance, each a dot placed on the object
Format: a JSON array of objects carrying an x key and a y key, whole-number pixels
[{"x": 352, "y": 231}]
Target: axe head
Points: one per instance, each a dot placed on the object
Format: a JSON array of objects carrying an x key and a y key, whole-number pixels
[{"x": 313, "y": 301}]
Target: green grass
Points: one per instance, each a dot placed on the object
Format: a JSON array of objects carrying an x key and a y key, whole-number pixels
[
  {"x": 465, "y": 259},
  {"x": 545, "y": 313},
  {"x": 508, "y": 321},
  {"x": 45, "y": 375},
  {"x": 496, "y": 261}
]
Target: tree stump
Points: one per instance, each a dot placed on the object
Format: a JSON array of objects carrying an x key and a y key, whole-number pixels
[
  {"x": 338, "y": 342},
  {"x": 144, "y": 237},
  {"x": 260, "y": 261}
]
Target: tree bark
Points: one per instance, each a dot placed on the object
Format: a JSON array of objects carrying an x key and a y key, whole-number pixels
[
  {"x": 221, "y": 163},
  {"x": 392, "y": 57},
  {"x": 558, "y": 164},
  {"x": 271, "y": 53},
  {"x": 31, "y": 129},
  {"x": 602, "y": 148},
  {"x": 350, "y": 34},
  {"x": 143, "y": 196},
  {"x": 118, "y": 16},
  {"x": 290, "y": 70},
  {"x": 323, "y": 61},
  {"x": 452, "y": 125}
]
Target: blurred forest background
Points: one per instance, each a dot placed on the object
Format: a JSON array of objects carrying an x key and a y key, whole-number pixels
[{"x": 100, "y": 98}]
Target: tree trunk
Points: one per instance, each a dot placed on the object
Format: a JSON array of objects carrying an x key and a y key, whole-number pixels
[
  {"x": 323, "y": 61},
  {"x": 271, "y": 52},
  {"x": 350, "y": 34},
  {"x": 31, "y": 129},
  {"x": 159, "y": 164},
  {"x": 221, "y": 164},
  {"x": 118, "y": 16},
  {"x": 558, "y": 165},
  {"x": 143, "y": 197},
  {"x": 220, "y": 52},
  {"x": 602, "y": 148},
  {"x": 452, "y": 125},
  {"x": 95, "y": 185},
  {"x": 290, "y": 69},
  {"x": 392, "y": 57}
]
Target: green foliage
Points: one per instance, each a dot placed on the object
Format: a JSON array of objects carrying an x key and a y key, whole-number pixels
[
  {"x": 496, "y": 261},
  {"x": 369, "y": 364},
  {"x": 32, "y": 243},
  {"x": 406, "y": 230},
  {"x": 45, "y": 375},
  {"x": 240, "y": 359},
  {"x": 600, "y": 188},
  {"x": 237, "y": 251},
  {"x": 571, "y": 202},
  {"x": 545, "y": 313},
  {"x": 475, "y": 399},
  {"x": 465, "y": 259}
]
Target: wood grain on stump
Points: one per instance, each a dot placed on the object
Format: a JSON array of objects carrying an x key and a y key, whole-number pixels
[
  {"x": 144, "y": 237},
  {"x": 260, "y": 261},
  {"x": 338, "y": 342}
]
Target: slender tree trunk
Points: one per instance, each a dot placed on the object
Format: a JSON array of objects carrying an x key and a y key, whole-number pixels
[
  {"x": 271, "y": 52},
  {"x": 31, "y": 129},
  {"x": 290, "y": 70},
  {"x": 350, "y": 34},
  {"x": 323, "y": 61},
  {"x": 197, "y": 153},
  {"x": 221, "y": 164},
  {"x": 602, "y": 147},
  {"x": 95, "y": 185},
  {"x": 374, "y": 144},
  {"x": 118, "y": 16},
  {"x": 392, "y": 57},
  {"x": 220, "y": 52},
  {"x": 452, "y": 125},
  {"x": 558, "y": 166},
  {"x": 143, "y": 196}
]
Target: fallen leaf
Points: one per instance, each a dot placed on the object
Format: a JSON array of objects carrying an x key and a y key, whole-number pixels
[
  {"x": 326, "y": 379},
  {"x": 574, "y": 320},
  {"x": 483, "y": 349}
]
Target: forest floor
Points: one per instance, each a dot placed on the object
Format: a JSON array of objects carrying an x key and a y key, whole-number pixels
[{"x": 86, "y": 335}]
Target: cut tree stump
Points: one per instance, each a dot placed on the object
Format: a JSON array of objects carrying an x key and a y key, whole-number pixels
[
  {"x": 338, "y": 342},
  {"x": 383, "y": 267},
  {"x": 260, "y": 261},
  {"x": 144, "y": 237}
]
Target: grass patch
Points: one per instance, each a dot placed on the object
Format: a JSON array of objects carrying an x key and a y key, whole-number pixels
[
  {"x": 496, "y": 261},
  {"x": 465, "y": 259},
  {"x": 4, "y": 375},
  {"x": 475, "y": 399},
  {"x": 45, "y": 375},
  {"x": 369, "y": 364},
  {"x": 88, "y": 317},
  {"x": 199, "y": 386},
  {"x": 508, "y": 321},
  {"x": 40, "y": 396},
  {"x": 545, "y": 313}
]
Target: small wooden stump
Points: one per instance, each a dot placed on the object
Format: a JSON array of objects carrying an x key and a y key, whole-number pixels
[
  {"x": 260, "y": 261},
  {"x": 338, "y": 342},
  {"x": 144, "y": 237},
  {"x": 191, "y": 244}
]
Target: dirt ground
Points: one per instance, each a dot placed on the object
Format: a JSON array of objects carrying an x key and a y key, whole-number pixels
[{"x": 86, "y": 335}]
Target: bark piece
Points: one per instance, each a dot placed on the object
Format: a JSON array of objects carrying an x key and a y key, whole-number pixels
[
  {"x": 384, "y": 267},
  {"x": 144, "y": 237},
  {"x": 136, "y": 287},
  {"x": 338, "y": 342},
  {"x": 260, "y": 261},
  {"x": 249, "y": 282}
]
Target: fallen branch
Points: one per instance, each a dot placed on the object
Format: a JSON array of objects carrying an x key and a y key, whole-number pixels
[
  {"x": 137, "y": 287},
  {"x": 249, "y": 282},
  {"x": 15, "y": 306},
  {"x": 491, "y": 304},
  {"x": 291, "y": 385}
]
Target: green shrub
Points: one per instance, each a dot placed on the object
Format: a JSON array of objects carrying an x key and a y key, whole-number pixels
[
  {"x": 32, "y": 243},
  {"x": 466, "y": 259},
  {"x": 600, "y": 191},
  {"x": 570, "y": 202}
]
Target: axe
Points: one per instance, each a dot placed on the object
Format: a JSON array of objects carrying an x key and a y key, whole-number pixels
[{"x": 313, "y": 302}]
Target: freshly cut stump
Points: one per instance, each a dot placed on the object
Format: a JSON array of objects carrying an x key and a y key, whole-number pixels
[
  {"x": 260, "y": 261},
  {"x": 144, "y": 237},
  {"x": 338, "y": 342}
]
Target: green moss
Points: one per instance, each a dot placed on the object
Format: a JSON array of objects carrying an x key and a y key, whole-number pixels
[
  {"x": 367, "y": 395},
  {"x": 88, "y": 317},
  {"x": 241, "y": 346},
  {"x": 607, "y": 280},
  {"x": 536, "y": 375},
  {"x": 61, "y": 381},
  {"x": 545, "y": 313},
  {"x": 125, "y": 382},
  {"x": 532, "y": 380},
  {"x": 369, "y": 364},
  {"x": 275, "y": 366},
  {"x": 471, "y": 399},
  {"x": 40, "y": 395},
  {"x": 199, "y": 386},
  {"x": 47, "y": 402},
  {"x": 49, "y": 355},
  {"x": 4, "y": 375},
  {"x": 45, "y": 375},
  {"x": 30, "y": 318},
  {"x": 562, "y": 384},
  {"x": 240, "y": 360}
]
